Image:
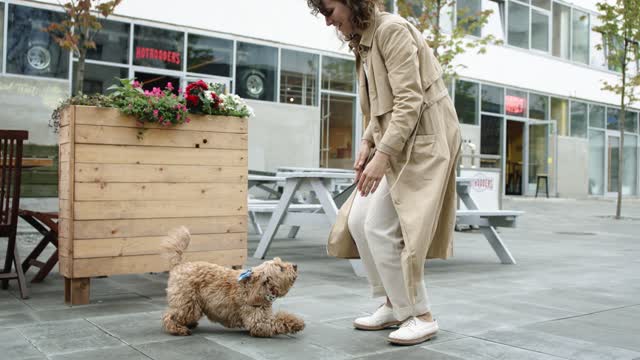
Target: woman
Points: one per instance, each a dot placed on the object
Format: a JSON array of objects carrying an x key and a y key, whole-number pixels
[{"x": 404, "y": 209}]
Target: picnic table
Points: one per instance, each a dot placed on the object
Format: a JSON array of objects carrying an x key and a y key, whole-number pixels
[{"x": 284, "y": 211}]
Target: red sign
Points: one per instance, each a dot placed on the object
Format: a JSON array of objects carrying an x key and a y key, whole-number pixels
[
  {"x": 157, "y": 54},
  {"x": 514, "y": 104}
]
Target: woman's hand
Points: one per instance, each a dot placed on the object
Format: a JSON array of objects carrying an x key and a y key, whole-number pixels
[
  {"x": 363, "y": 154},
  {"x": 373, "y": 173}
]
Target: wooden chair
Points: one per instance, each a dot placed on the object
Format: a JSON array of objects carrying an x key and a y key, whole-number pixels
[
  {"x": 11, "y": 142},
  {"x": 47, "y": 224}
]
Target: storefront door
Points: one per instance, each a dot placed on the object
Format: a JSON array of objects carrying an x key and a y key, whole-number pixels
[
  {"x": 612, "y": 158},
  {"x": 540, "y": 154}
]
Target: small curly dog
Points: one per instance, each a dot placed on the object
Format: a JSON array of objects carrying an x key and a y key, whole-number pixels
[{"x": 233, "y": 298}]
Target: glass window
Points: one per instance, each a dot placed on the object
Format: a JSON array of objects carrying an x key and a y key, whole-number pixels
[
  {"x": 518, "y": 25},
  {"x": 256, "y": 69},
  {"x": 492, "y": 99},
  {"x": 490, "y": 139},
  {"x": 207, "y": 55},
  {"x": 112, "y": 43},
  {"x": 612, "y": 118},
  {"x": 561, "y": 30},
  {"x": 97, "y": 78},
  {"x": 496, "y": 21},
  {"x": 596, "y": 162},
  {"x": 630, "y": 160},
  {"x": 538, "y": 106},
  {"x": 337, "y": 135},
  {"x": 30, "y": 51},
  {"x": 468, "y": 9},
  {"x": 158, "y": 48},
  {"x": 580, "y": 37},
  {"x": 598, "y": 58},
  {"x": 560, "y": 113},
  {"x": 579, "y": 121},
  {"x": 539, "y": 30},
  {"x": 544, "y": 4},
  {"x": 1, "y": 34},
  {"x": 596, "y": 116},
  {"x": 151, "y": 80},
  {"x": 467, "y": 102},
  {"x": 631, "y": 122},
  {"x": 338, "y": 74},
  {"x": 299, "y": 78},
  {"x": 515, "y": 103}
]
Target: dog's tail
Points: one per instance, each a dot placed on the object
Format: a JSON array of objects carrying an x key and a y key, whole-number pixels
[{"x": 175, "y": 244}]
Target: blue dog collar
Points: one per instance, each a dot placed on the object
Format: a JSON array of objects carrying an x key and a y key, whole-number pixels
[{"x": 245, "y": 274}]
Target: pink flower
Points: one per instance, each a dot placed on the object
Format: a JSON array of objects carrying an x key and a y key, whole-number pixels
[
  {"x": 169, "y": 86},
  {"x": 136, "y": 84},
  {"x": 155, "y": 113},
  {"x": 188, "y": 120}
]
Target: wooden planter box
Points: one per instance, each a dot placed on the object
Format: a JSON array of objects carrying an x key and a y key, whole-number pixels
[{"x": 120, "y": 194}]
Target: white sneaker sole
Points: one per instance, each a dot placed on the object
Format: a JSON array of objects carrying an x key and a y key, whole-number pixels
[
  {"x": 378, "y": 327},
  {"x": 412, "y": 341}
]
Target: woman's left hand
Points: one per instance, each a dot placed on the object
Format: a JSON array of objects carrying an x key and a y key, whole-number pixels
[{"x": 373, "y": 173}]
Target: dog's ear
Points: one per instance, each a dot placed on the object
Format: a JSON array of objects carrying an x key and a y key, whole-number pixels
[{"x": 258, "y": 291}]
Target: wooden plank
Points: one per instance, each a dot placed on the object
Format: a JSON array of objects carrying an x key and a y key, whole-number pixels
[
  {"x": 150, "y": 263},
  {"x": 66, "y": 118},
  {"x": 77, "y": 291},
  {"x": 156, "y": 191},
  {"x": 64, "y": 153},
  {"x": 65, "y": 246},
  {"x": 94, "y": 210},
  {"x": 96, "y": 248},
  {"x": 88, "y": 115},
  {"x": 65, "y": 266},
  {"x": 64, "y": 227},
  {"x": 96, "y": 229},
  {"x": 130, "y": 173},
  {"x": 65, "y": 209},
  {"x": 63, "y": 135},
  {"x": 88, "y": 134},
  {"x": 122, "y": 154}
]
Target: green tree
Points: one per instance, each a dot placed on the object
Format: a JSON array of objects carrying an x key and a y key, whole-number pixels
[
  {"x": 77, "y": 32},
  {"x": 428, "y": 16},
  {"x": 620, "y": 31}
]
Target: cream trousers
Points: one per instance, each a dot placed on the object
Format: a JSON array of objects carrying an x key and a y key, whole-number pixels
[{"x": 375, "y": 227}]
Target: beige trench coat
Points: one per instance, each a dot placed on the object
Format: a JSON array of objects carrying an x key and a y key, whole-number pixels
[{"x": 410, "y": 116}]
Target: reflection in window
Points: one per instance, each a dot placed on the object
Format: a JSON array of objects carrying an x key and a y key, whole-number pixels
[
  {"x": 466, "y": 101},
  {"x": 515, "y": 103},
  {"x": 580, "y": 37},
  {"x": 490, "y": 140},
  {"x": 158, "y": 48},
  {"x": 560, "y": 113},
  {"x": 630, "y": 159},
  {"x": 596, "y": 162},
  {"x": 1, "y": 33},
  {"x": 336, "y": 147},
  {"x": 631, "y": 122},
  {"x": 612, "y": 118},
  {"x": 298, "y": 77},
  {"x": 495, "y": 21},
  {"x": 596, "y": 116},
  {"x": 543, "y": 4},
  {"x": 97, "y": 78},
  {"x": 561, "y": 30},
  {"x": 468, "y": 9},
  {"x": 112, "y": 43},
  {"x": 539, "y": 30},
  {"x": 30, "y": 51},
  {"x": 256, "y": 69},
  {"x": 579, "y": 121},
  {"x": 338, "y": 74},
  {"x": 598, "y": 59},
  {"x": 518, "y": 25},
  {"x": 150, "y": 81},
  {"x": 207, "y": 55},
  {"x": 492, "y": 99},
  {"x": 538, "y": 106}
]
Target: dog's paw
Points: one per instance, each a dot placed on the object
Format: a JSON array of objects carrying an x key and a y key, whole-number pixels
[
  {"x": 296, "y": 324},
  {"x": 192, "y": 325}
]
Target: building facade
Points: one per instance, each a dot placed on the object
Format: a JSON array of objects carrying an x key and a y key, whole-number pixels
[{"x": 530, "y": 107}]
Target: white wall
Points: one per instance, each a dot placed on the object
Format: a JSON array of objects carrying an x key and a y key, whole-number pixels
[{"x": 283, "y": 135}]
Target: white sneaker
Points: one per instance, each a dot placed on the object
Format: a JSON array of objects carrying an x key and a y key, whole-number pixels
[
  {"x": 414, "y": 331},
  {"x": 379, "y": 320}
]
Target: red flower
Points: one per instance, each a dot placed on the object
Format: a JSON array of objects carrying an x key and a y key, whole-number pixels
[
  {"x": 193, "y": 100},
  {"x": 216, "y": 100},
  {"x": 196, "y": 87}
]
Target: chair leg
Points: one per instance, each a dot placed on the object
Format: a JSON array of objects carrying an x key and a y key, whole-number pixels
[
  {"x": 37, "y": 250},
  {"x": 8, "y": 260},
  {"x": 546, "y": 186},
  {"x": 537, "y": 185},
  {"x": 22, "y": 282}
]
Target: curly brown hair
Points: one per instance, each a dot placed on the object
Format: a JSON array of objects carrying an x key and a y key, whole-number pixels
[{"x": 362, "y": 13}]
